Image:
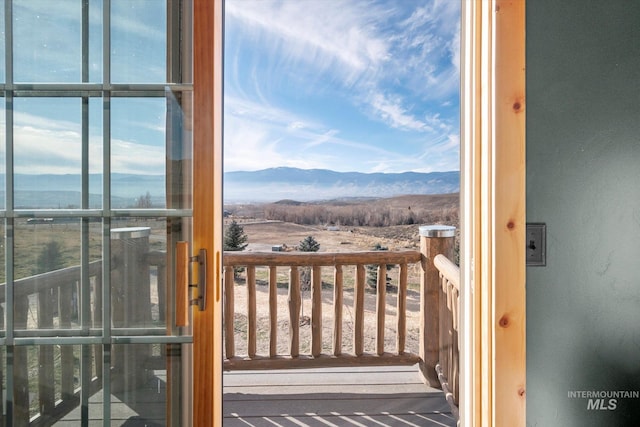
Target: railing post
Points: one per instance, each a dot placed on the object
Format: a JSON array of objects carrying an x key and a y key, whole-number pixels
[
  {"x": 434, "y": 240},
  {"x": 130, "y": 306}
]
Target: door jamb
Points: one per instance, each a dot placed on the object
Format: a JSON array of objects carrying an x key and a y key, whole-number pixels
[
  {"x": 493, "y": 383},
  {"x": 207, "y": 209},
  {"x": 493, "y": 206}
]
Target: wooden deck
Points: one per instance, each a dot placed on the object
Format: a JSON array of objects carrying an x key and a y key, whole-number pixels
[
  {"x": 357, "y": 396},
  {"x": 372, "y": 396}
]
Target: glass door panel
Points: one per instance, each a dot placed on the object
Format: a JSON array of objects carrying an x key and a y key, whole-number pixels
[
  {"x": 139, "y": 32},
  {"x": 39, "y": 56},
  {"x": 96, "y": 175}
]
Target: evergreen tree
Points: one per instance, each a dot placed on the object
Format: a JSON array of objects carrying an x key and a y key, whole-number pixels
[
  {"x": 234, "y": 237},
  {"x": 309, "y": 244},
  {"x": 235, "y": 240},
  {"x": 372, "y": 270},
  {"x": 49, "y": 258}
]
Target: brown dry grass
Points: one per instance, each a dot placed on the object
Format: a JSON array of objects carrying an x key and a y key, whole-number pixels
[{"x": 263, "y": 235}]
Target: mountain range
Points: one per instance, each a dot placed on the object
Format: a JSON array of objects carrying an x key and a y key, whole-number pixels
[
  {"x": 320, "y": 184},
  {"x": 36, "y": 191},
  {"x": 55, "y": 191}
]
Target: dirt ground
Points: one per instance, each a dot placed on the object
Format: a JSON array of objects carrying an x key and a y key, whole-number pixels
[{"x": 263, "y": 235}]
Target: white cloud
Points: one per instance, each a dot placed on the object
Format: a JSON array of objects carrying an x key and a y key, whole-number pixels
[
  {"x": 138, "y": 18},
  {"x": 332, "y": 36},
  {"x": 392, "y": 112},
  {"x": 258, "y": 137},
  {"x": 47, "y": 39},
  {"x": 258, "y": 112},
  {"x": 47, "y": 146},
  {"x": 133, "y": 158},
  {"x": 394, "y": 62},
  {"x": 440, "y": 154},
  {"x": 454, "y": 48}
]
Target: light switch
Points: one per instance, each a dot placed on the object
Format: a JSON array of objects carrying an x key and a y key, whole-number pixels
[{"x": 536, "y": 241}]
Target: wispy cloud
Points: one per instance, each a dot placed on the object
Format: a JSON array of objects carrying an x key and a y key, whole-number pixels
[
  {"x": 263, "y": 137},
  {"x": 377, "y": 73},
  {"x": 314, "y": 34},
  {"x": 392, "y": 112},
  {"x": 43, "y": 145}
]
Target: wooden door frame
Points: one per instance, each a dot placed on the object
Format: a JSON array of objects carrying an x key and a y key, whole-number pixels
[
  {"x": 493, "y": 383},
  {"x": 207, "y": 207},
  {"x": 493, "y": 211}
]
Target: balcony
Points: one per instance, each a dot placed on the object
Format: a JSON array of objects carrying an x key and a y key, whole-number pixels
[
  {"x": 378, "y": 346},
  {"x": 341, "y": 352}
]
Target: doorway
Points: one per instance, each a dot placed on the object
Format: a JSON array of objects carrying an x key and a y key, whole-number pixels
[{"x": 284, "y": 60}]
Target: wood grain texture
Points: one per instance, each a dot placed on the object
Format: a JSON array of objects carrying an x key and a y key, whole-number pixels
[
  {"x": 358, "y": 301},
  {"x": 252, "y": 323},
  {"x": 448, "y": 269},
  {"x": 299, "y": 259},
  {"x": 294, "y": 312},
  {"x": 401, "y": 321},
  {"x": 493, "y": 214},
  {"x": 381, "y": 307},
  {"x": 473, "y": 80},
  {"x": 273, "y": 311},
  {"x": 338, "y": 299},
  {"x": 207, "y": 205},
  {"x": 316, "y": 311},
  {"x": 322, "y": 361},
  {"x": 429, "y": 304},
  {"x": 229, "y": 311},
  {"x": 509, "y": 224}
]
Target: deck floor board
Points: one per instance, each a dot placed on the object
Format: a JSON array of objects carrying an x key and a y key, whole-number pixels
[{"x": 379, "y": 396}]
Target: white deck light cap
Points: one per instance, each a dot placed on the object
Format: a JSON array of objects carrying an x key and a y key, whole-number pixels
[
  {"x": 437, "y": 231},
  {"x": 130, "y": 233}
]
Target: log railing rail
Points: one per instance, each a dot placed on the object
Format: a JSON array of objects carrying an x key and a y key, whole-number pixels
[
  {"x": 448, "y": 368},
  {"x": 55, "y": 293},
  {"x": 434, "y": 240},
  {"x": 51, "y": 299},
  {"x": 316, "y": 357}
]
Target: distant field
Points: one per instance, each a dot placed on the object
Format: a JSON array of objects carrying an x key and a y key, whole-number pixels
[
  {"x": 310, "y": 219},
  {"x": 334, "y": 235},
  {"x": 263, "y": 235}
]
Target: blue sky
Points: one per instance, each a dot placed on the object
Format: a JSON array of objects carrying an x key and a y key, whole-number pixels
[
  {"x": 347, "y": 85},
  {"x": 47, "y": 131}
]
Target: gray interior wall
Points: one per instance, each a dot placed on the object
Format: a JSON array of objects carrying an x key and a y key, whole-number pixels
[{"x": 583, "y": 181}]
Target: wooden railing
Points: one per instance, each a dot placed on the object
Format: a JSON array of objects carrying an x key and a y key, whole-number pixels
[
  {"x": 448, "y": 368},
  {"x": 40, "y": 301},
  {"x": 318, "y": 355},
  {"x": 45, "y": 377},
  {"x": 277, "y": 270}
]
